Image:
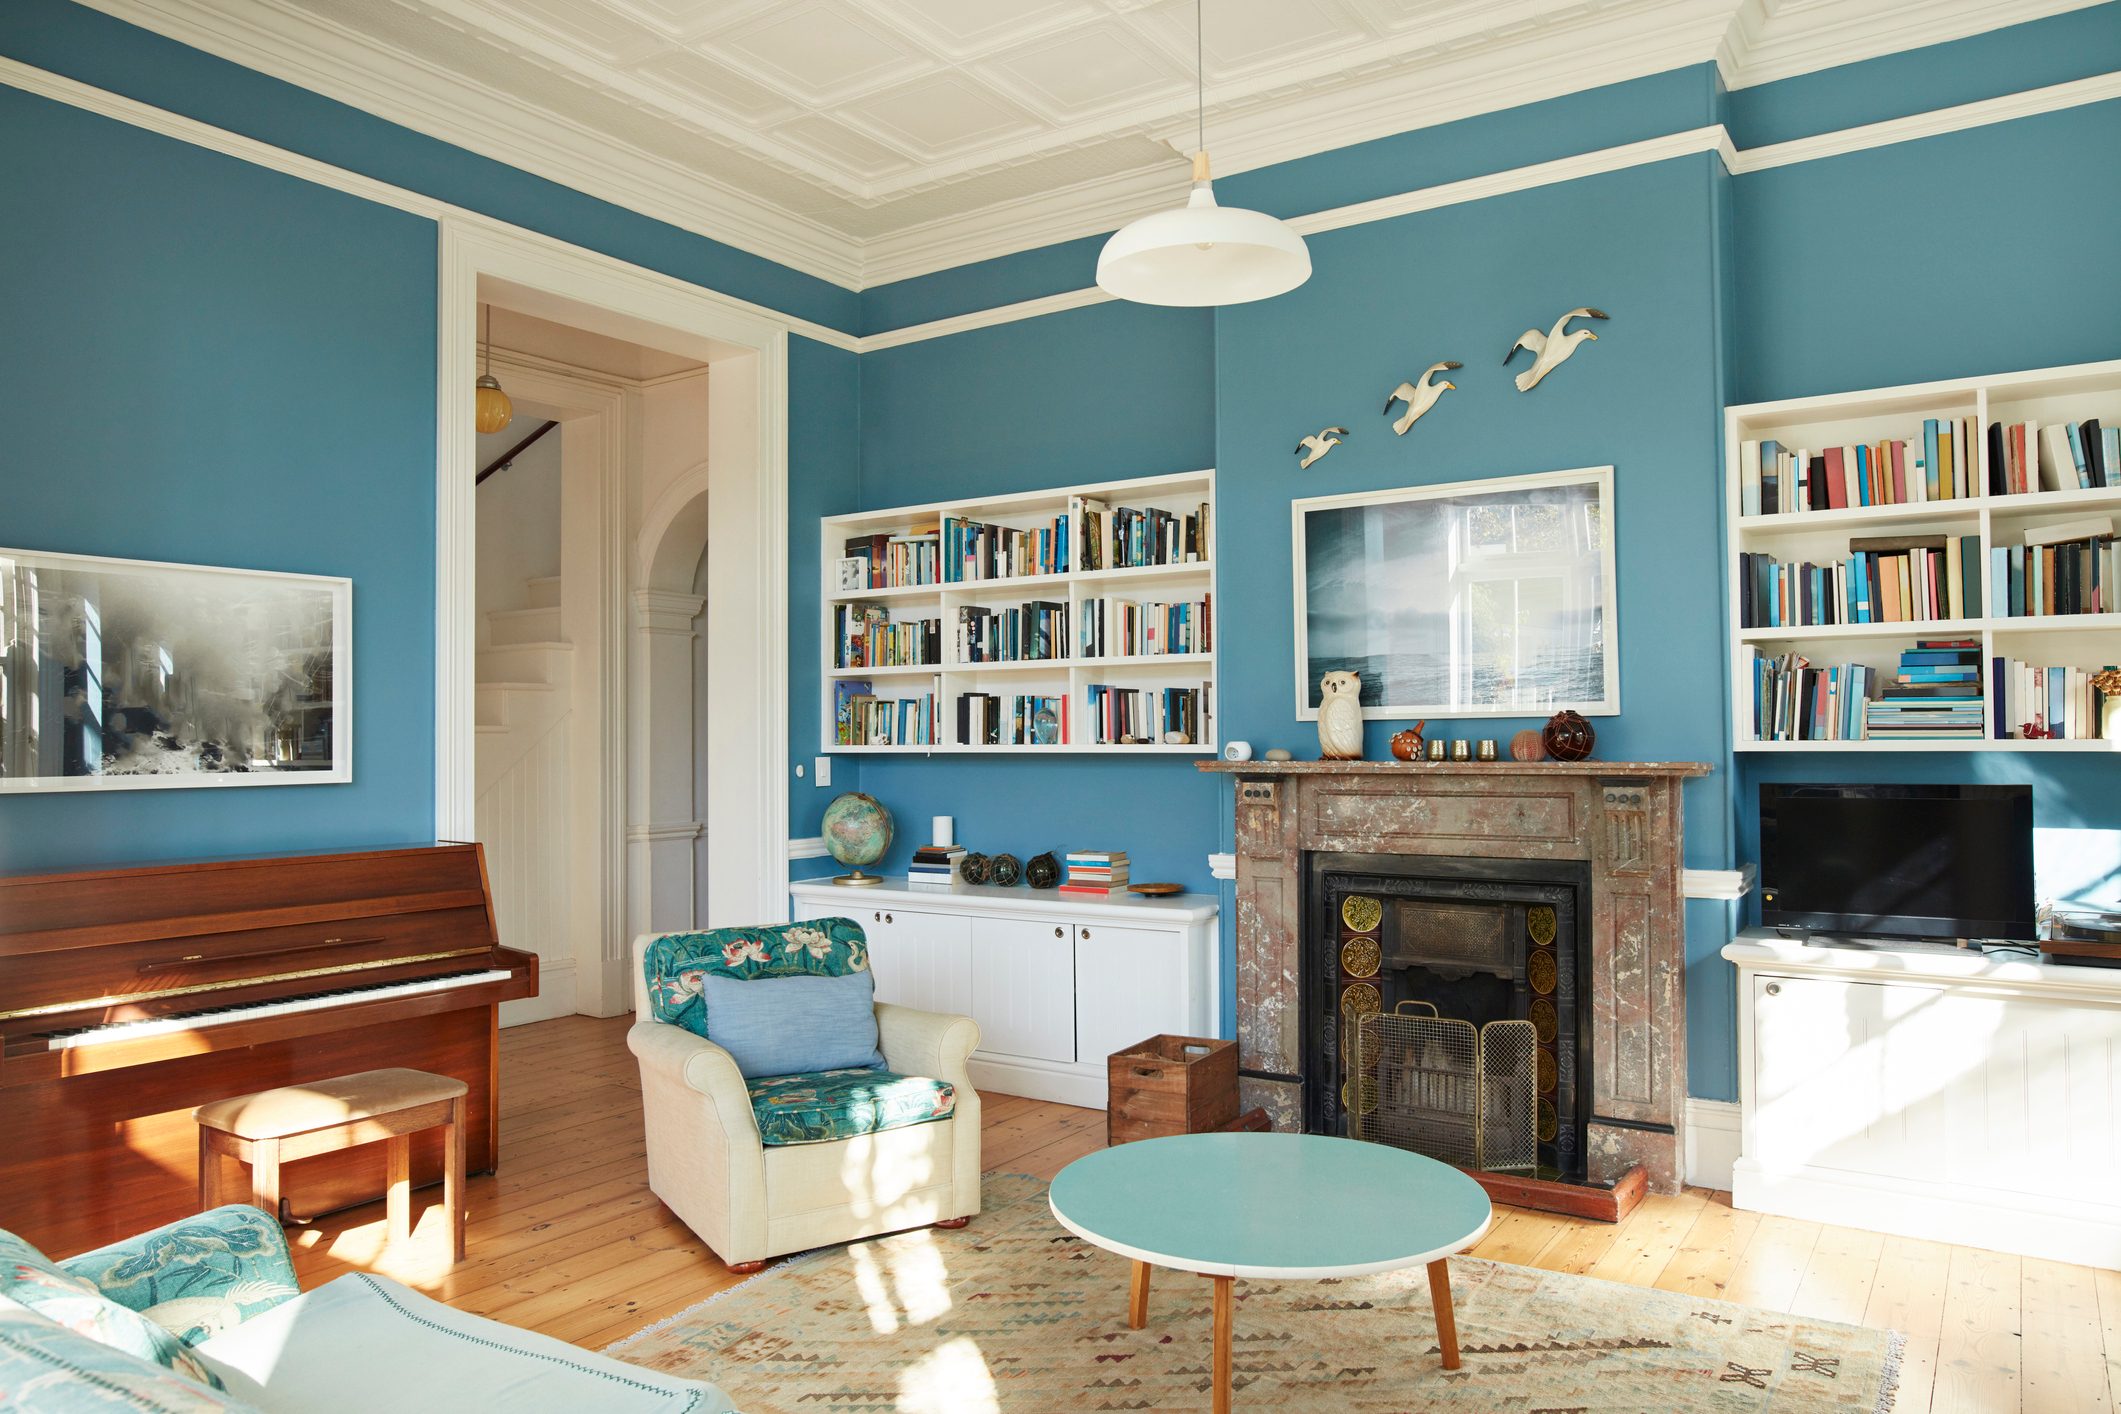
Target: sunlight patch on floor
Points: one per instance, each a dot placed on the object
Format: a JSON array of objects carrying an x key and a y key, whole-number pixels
[{"x": 951, "y": 1379}]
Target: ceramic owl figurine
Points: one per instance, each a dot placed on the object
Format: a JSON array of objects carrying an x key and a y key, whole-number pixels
[{"x": 1340, "y": 717}]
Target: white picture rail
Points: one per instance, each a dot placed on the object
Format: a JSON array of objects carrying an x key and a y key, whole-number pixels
[
  {"x": 137, "y": 675},
  {"x": 1485, "y": 598}
]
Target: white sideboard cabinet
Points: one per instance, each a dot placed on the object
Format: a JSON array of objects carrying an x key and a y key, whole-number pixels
[
  {"x": 1056, "y": 983},
  {"x": 1932, "y": 1092}
]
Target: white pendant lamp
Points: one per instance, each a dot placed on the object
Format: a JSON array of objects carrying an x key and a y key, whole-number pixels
[{"x": 1202, "y": 254}]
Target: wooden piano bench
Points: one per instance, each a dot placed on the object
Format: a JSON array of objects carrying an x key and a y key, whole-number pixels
[{"x": 276, "y": 1127}]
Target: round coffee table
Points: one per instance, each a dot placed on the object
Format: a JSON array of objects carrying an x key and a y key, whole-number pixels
[{"x": 1271, "y": 1205}]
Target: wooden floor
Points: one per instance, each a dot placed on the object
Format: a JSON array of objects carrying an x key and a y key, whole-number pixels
[{"x": 567, "y": 1239}]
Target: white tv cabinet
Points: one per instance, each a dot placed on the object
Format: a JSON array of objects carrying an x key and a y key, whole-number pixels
[
  {"x": 1935, "y": 1093},
  {"x": 1056, "y": 983}
]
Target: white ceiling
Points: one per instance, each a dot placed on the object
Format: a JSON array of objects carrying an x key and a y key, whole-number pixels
[{"x": 868, "y": 140}]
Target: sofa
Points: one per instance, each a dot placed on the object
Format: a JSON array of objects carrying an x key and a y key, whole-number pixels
[
  {"x": 769, "y": 1164},
  {"x": 205, "y": 1315}
]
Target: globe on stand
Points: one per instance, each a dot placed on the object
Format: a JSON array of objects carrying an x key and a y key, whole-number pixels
[{"x": 857, "y": 833}]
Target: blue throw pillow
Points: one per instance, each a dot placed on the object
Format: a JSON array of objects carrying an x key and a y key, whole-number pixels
[{"x": 793, "y": 1025}]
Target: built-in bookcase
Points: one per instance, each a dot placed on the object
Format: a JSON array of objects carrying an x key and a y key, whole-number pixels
[
  {"x": 1071, "y": 685},
  {"x": 2043, "y": 396}
]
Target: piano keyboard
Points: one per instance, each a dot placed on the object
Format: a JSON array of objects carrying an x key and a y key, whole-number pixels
[{"x": 199, "y": 1020}]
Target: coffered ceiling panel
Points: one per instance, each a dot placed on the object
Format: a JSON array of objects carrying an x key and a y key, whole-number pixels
[{"x": 866, "y": 140}]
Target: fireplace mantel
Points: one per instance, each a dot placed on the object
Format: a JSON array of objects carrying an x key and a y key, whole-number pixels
[{"x": 1622, "y": 818}]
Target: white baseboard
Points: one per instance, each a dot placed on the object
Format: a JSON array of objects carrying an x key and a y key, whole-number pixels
[
  {"x": 2031, "y": 1225},
  {"x": 556, "y": 992},
  {"x": 1062, "y": 1083},
  {"x": 1713, "y": 1135}
]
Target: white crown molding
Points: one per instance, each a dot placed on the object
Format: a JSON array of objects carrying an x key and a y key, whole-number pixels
[
  {"x": 2055, "y": 97},
  {"x": 313, "y": 53},
  {"x": 1752, "y": 53},
  {"x": 808, "y": 847},
  {"x": 134, "y": 113},
  {"x": 982, "y": 318}
]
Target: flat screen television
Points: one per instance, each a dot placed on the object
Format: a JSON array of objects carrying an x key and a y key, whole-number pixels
[{"x": 1909, "y": 861}]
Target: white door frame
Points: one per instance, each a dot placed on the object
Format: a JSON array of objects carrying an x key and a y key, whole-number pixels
[{"x": 553, "y": 280}]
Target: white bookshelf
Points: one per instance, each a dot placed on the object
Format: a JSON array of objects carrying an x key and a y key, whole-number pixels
[
  {"x": 1070, "y": 676},
  {"x": 2047, "y": 395}
]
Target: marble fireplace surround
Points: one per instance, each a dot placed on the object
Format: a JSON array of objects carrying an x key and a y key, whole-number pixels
[{"x": 1622, "y": 818}]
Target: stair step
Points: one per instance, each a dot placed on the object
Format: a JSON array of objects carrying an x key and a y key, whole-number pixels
[
  {"x": 507, "y": 628},
  {"x": 525, "y": 662},
  {"x": 544, "y": 591}
]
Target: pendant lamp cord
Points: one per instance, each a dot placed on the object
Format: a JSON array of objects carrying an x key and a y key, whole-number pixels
[{"x": 1200, "y": 80}]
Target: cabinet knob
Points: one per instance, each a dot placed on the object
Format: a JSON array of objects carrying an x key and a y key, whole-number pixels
[
  {"x": 1774, "y": 989},
  {"x": 877, "y": 917},
  {"x": 887, "y": 918},
  {"x": 1086, "y": 933},
  {"x": 1060, "y": 932}
]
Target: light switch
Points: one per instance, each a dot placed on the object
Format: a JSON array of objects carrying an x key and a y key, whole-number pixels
[{"x": 824, "y": 771}]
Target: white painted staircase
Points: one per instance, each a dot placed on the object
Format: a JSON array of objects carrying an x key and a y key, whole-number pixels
[{"x": 524, "y": 814}]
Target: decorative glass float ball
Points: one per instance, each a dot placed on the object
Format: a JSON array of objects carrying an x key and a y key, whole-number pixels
[
  {"x": 1005, "y": 870},
  {"x": 973, "y": 868},
  {"x": 1042, "y": 871},
  {"x": 857, "y": 833}
]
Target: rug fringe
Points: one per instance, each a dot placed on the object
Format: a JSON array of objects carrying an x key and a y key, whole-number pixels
[{"x": 1889, "y": 1377}]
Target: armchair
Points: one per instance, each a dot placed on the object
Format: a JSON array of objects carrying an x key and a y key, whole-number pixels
[{"x": 751, "y": 1195}]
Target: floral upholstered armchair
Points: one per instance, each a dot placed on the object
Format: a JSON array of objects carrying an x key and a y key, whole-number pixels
[{"x": 786, "y": 1109}]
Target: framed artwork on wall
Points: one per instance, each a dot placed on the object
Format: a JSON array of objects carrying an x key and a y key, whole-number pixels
[
  {"x": 137, "y": 675},
  {"x": 1490, "y": 598}
]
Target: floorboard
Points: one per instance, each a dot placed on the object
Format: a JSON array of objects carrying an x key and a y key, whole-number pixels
[{"x": 566, "y": 1239}]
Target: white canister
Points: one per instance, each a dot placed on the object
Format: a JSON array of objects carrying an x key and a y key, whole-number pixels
[
  {"x": 944, "y": 830},
  {"x": 1237, "y": 751}
]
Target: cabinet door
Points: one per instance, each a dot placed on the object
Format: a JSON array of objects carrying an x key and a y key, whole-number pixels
[
  {"x": 920, "y": 959},
  {"x": 1129, "y": 984},
  {"x": 1023, "y": 987}
]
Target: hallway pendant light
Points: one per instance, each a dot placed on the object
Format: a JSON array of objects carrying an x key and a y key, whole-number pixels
[
  {"x": 492, "y": 408},
  {"x": 1202, "y": 253}
]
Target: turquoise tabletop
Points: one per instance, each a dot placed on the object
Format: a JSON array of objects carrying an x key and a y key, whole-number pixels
[{"x": 1265, "y": 1205}]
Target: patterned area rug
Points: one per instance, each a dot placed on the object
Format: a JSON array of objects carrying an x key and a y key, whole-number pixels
[{"x": 1013, "y": 1313}]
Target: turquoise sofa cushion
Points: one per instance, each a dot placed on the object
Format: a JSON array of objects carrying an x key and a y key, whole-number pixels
[
  {"x": 52, "y": 1369},
  {"x": 197, "y": 1275},
  {"x": 791, "y": 1025},
  {"x": 676, "y": 963},
  {"x": 842, "y": 1104},
  {"x": 33, "y": 1280}
]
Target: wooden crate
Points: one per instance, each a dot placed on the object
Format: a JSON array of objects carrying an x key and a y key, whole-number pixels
[{"x": 1170, "y": 1085}]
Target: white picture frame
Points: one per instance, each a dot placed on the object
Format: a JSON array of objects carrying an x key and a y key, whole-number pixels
[
  {"x": 207, "y": 676},
  {"x": 1490, "y": 651},
  {"x": 852, "y": 574}
]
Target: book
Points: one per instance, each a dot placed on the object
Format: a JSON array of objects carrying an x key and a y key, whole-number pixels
[{"x": 2088, "y": 528}]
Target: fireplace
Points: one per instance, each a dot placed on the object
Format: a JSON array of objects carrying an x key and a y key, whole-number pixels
[
  {"x": 1409, "y": 963},
  {"x": 1459, "y": 857}
]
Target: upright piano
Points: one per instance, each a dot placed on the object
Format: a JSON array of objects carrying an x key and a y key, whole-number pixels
[{"x": 130, "y": 995}]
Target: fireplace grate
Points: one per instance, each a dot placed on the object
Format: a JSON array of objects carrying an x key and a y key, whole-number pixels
[{"x": 1443, "y": 1087}]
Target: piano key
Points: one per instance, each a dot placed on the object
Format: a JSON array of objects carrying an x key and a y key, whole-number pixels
[{"x": 222, "y": 1016}]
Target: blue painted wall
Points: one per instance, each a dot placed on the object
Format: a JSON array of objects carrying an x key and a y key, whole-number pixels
[{"x": 211, "y": 363}]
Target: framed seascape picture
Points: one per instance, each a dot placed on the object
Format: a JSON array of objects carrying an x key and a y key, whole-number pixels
[
  {"x": 1489, "y": 598},
  {"x": 132, "y": 675}
]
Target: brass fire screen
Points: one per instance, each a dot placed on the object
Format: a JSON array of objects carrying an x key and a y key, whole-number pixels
[{"x": 1445, "y": 1088}]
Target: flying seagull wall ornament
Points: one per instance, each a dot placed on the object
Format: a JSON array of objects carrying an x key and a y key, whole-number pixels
[
  {"x": 1311, "y": 448},
  {"x": 1419, "y": 396},
  {"x": 1551, "y": 349}
]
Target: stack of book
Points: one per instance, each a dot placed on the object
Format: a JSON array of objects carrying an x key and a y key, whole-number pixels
[
  {"x": 987, "y": 719},
  {"x": 1125, "y": 537},
  {"x": 1137, "y": 716},
  {"x": 1096, "y": 873},
  {"x": 1033, "y": 632},
  {"x": 2064, "y": 456},
  {"x": 895, "y": 561},
  {"x": 867, "y": 637},
  {"x": 1116, "y": 628},
  {"x": 1794, "y": 701},
  {"x": 935, "y": 866},
  {"x": 2059, "y": 701},
  {"x": 1943, "y": 464},
  {"x": 861, "y": 718},
  {"x": 974, "y": 550},
  {"x": 1935, "y": 696},
  {"x": 1885, "y": 579},
  {"x": 2070, "y": 568}
]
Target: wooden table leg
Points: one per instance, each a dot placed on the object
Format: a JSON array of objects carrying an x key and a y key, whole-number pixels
[
  {"x": 265, "y": 1176},
  {"x": 1222, "y": 1345},
  {"x": 1138, "y": 1298},
  {"x": 1446, "y": 1317},
  {"x": 453, "y": 1178},
  {"x": 209, "y": 1171}
]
